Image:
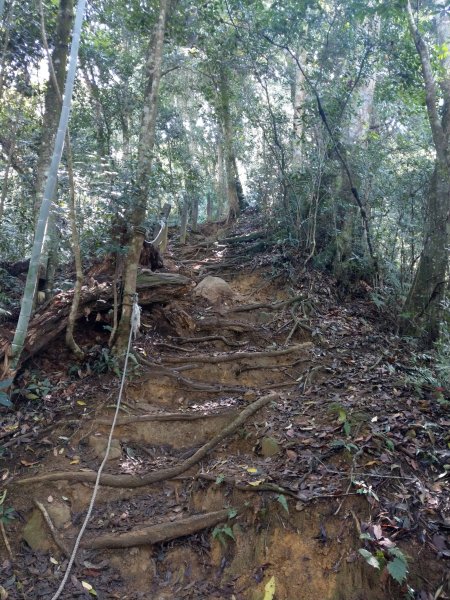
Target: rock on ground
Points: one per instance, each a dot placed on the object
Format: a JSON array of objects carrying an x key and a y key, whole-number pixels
[{"x": 214, "y": 289}]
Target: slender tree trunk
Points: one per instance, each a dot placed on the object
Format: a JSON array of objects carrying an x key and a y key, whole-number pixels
[
  {"x": 8, "y": 168},
  {"x": 49, "y": 256},
  {"x": 70, "y": 341},
  {"x": 230, "y": 160},
  {"x": 221, "y": 179},
  {"x": 423, "y": 306},
  {"x": 52, "y": 103},
  {"x": 194, "y": 212},
  {"x": 184, "y": 220},
  {"x": 144, "y": 163},
  {"x": 32, "y": 276},
  {"x": 298, "y": 97}
]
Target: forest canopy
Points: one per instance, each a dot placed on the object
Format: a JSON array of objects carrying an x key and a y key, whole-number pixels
[{"x": 330, "y": 118}]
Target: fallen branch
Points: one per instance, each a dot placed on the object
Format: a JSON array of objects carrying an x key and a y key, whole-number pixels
[
  {"x": 203, "y": 358},
  {"x": 133, "y": 481},
  {"x": 155, "y": 534}
]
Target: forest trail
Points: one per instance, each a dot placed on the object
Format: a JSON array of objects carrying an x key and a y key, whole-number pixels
[{"x": 329, "y": 451}]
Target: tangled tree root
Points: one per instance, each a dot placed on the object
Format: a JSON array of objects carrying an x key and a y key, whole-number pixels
[
  {"x": 154, "y": 534},
  {"x": 133, "y": 481}
]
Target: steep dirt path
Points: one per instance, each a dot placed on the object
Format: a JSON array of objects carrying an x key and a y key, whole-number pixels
[{"x": 325, "y": 445}]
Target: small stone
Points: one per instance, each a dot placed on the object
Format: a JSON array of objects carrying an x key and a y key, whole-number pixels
[
  {"x": 98, "y": 444},
  {"x": 35, "y": 532},
  {"x": 269, "y": 447},
  {"x": 59, "y": 514}
]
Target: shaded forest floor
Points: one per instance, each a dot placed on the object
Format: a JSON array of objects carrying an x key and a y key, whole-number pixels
[{"x": 343, "y": 455}]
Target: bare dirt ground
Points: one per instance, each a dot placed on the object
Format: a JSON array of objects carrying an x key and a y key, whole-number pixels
[{"x": 341, "y": 455}]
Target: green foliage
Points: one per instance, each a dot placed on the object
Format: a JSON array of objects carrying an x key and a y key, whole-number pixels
[
  {"x": 4, "y": 396},
  {"x": 104, "y": 362},
  {"x": 386, "y": 555},
  {"x": 6, "y": 514},
  {"x": 36, "y": 387},
  {"x": 283, "y": 501},
  {"x": 222, "y": 532}
]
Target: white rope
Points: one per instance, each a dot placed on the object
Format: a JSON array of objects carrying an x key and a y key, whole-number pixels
[{"x": 135, "y": 321}]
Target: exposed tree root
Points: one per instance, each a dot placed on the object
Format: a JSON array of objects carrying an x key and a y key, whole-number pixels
[
  {"x": 246, "y": 368},
  {"x": 267, "y": 305},
  {"x": 133, "y": 481},
  {"x": 204, "y": 358},
  {"x": 154, "y": 534},
  {"x": 210, "y": 338},
  {"x": 217, "y": 324},
  {"x": 238, "y": 239},
  {"x": 164, "y": 417},
  {"x": 244, "y": 487},
  {"x": 189, "y": 384}
]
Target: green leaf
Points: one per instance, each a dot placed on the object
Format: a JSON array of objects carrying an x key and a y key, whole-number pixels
[
  {"x": 232, "y": 513},
  {"x": 390, "y": 444},
  {"x": 282, "y": 500},
  {"x": 369, "y": 558},
  {"x": 5, "y": 401},
  {"x": 226, "y": 529},
  {"x": 346, "y": 427},
  {"x": 269, "y": 589},
  {"x": 6, "y": 383},
  {"x": 398, "y": 569},
  {"x": 220, "y": 479},
  {"x": 395, "y": 551}
]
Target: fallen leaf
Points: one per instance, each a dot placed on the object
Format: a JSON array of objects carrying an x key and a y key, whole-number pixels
[
  {"x": 269, "y": 589},
  {"x": 27, "y": 463}
]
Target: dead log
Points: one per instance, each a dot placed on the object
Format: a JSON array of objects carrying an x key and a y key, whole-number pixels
[
  {"x": 49, "y": 321},
  {"x": 154, "y": 534}
]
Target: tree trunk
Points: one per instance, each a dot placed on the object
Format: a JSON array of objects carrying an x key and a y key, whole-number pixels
[
  {"x": 144, "y": 164},
  {"x": 423, "y": 307},
  {"x": 32, "y": 276},
  {"x": 230, "y": 159},
  {"x": 194, "y": 213},
  {"x": 184, "y": 220},
  {"x": 49, "y": 255},
  {"x": 298, "y": 97},
  {"x": 221, "y": 180}
]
